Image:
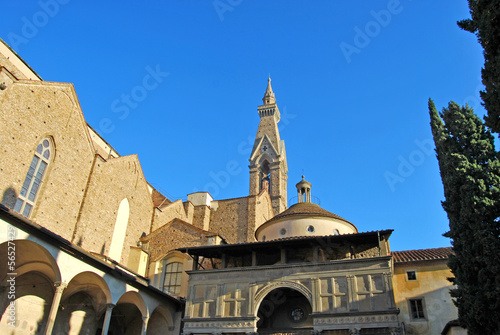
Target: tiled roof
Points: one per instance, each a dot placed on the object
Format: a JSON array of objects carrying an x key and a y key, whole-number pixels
[
  {"x": 295, "y": 241},
  {"x": 421, "y": 255}
]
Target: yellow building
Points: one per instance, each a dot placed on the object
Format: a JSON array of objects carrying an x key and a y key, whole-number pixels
[{"x": 421, "y": 291}]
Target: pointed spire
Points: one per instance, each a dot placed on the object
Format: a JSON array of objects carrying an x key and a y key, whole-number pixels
[{"x": 269, "y": 97}]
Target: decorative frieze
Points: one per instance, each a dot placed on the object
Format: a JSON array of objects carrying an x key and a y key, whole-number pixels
[
  {"x": 355, "y": 321},
  {"x": 212, "y": 326}
]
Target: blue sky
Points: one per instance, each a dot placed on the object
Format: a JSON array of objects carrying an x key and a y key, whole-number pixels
[{"x": 179, "y": 82}]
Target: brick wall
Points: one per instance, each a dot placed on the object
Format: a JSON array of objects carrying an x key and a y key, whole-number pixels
[
  {"x": 168, "y": 212},
  {"x": 172, "y": 236},
  {"x": 229, "y": 217}
]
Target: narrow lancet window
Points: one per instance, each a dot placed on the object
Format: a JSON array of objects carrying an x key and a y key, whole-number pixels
[{"x": 34, "y": 178}]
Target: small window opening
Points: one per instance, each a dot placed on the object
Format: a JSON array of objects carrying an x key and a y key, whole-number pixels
[
  {"x": 417, "y": 309},
  {"x": 411, "y": 275}
]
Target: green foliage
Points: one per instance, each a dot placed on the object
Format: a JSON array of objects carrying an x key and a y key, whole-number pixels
[
  {"x": 470, "y": 170},
  {"x": 485, "y": 23}
]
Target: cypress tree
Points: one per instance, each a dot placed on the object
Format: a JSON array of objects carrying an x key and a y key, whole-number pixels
[
  {"x": 485, "y": 24},
  {"x": 470, "y": 171}
]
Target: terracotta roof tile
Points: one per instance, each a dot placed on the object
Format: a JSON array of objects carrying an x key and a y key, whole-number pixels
[
  {"x": 159, "y": 199},
  {"x": 421, "y": 255},
  {"x": 306, "y": 208}
]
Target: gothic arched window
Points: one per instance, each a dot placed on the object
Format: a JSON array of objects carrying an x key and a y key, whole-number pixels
[{"x": 37, "y": 170}]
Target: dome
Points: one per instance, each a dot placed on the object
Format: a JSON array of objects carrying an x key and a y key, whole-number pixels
[{"x": 304, "y": 219}]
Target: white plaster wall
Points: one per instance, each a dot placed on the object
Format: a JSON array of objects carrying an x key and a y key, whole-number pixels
[
  {"x": 299, "y": 227},
  {"x": 200, "y": 198}
]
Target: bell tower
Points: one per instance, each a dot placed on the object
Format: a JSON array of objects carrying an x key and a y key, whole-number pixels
[{"x": 268, "y": 166}]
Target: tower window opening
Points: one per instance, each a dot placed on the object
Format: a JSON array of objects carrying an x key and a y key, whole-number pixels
[{"x": 265, "y": 181}]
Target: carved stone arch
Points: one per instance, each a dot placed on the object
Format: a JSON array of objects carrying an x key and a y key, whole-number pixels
[
  {"x": 263, "y": 158},
  {"x": 263, "y": 292}
]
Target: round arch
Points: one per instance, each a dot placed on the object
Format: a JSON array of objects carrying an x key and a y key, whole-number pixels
[
  {"x": 129, "y": 314},
  {"x": 93, "y": 284},
  {"x": 30, "y": 257},
  {"x": 264, "y": 292},
  {"x": 36, "y": 273},
  {"x": 285, "y": 309},
  {"x": 134, "y": 298},
  {"x": 160, "y": 321}
]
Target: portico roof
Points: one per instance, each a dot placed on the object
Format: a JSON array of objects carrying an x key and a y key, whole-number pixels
[{"x": 295, "y": 242}]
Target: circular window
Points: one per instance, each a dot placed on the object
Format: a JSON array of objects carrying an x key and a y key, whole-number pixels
[
  {"x": 310, "y": 229},
  {"x": 283, "y": 231},
  {"x": 297, "y": 314},
  {"x": 336, "y": 232}
]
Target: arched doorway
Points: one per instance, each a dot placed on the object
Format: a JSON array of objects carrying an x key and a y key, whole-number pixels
[{"x": 285, "y": 310}]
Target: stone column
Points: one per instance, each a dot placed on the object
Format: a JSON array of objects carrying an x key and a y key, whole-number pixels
[
  {"x": 107, "y": 318},
  {"x": 54, "y": 307},
  {"x": 354, "y": 331},
  {"x": 144, "y": 325}
]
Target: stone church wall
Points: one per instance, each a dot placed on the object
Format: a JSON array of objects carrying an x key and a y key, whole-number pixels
[
  {"x": 168, "y": 212},
  {"x": 7, "y": 62},
  {"x": 31, "y": 111},
  {"x": 173, "y": 235},
  {"x": 111, "y": 182},
  {"x": 228, "y": 218},
  {"x": 260, "y": 209},
  {"x": 201, "y": 217}
]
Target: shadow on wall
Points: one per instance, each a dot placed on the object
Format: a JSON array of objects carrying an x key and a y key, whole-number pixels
[
  {"x": 77, "y": 315},
  {"x": 438, "y": 310},
  {"x": 9, "y": 197}
]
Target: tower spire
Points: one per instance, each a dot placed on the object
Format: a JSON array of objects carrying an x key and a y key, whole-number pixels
[
  {"x": 269, "y": 97},
  {"x": 268, "y": 165}
]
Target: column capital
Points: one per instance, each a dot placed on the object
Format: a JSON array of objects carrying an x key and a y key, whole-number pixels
[{"x": 60, "y": 285}]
